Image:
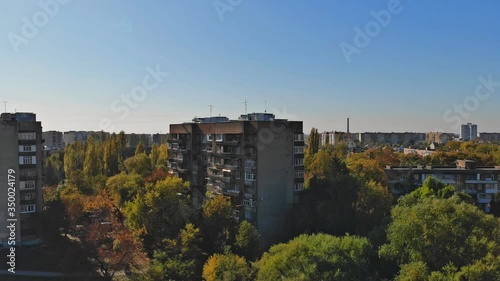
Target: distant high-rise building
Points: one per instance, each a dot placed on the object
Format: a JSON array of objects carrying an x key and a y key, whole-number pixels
[
  {"x": 21, "y": 174},
  {"x": 468, "y": 132},
  {"x": 257, "y": 160},
  {"x": 53, "y": 140}
]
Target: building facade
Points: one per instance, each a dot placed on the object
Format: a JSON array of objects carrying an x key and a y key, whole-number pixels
[
  {"x": 53, "y": 140},
  {"x": 495, "y": 137},
  {"x": 468, "y": 132},
  {"x": 369, "y": 138},
  {"x": 21, "y": 174},
  {"x": 439, "y": 137},
  {"x": 479, "y": 182},
  {"x": 257, "y": 160}
]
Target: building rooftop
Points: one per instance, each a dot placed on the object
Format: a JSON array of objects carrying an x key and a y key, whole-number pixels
[{"x": 19, "y": 116}]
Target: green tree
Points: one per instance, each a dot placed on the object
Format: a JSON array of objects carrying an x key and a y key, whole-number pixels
[
  {"x": 154, "y": 155},
  {"x": 92, "y": 165},
  {"x": 139, "y": 164},
  {"x": 440, "y": 233},
  {"x": 123, "y": 188},
  {"x": 179, "y": 259},
  {"x": 367, "y": 170},
  {"x": 140, "y": 149},
  {"x": 226, "y": 267},
  {"x": 432, "y": 188},
  {"x": 163, "y": 154},
  {"x": 313, "y": 142},
  {"x": 74, "y": 156},
  {"x": 324, "y": 166},
  {"x": 247, "y": 241},
  {"x": 218, "y": 224},
  {"x": 111, "y": 156},
  {"x": 373, "y": 204},
  {"x": 160, "y": 211},
  {"x": 53, "y": 170},
  {"x": 318, "y": 257}
]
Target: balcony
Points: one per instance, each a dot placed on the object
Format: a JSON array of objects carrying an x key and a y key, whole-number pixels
[
  {"x": 232, "y": 192},
  {"x": 470, "y": 191},
  {"x": 231, "y": 142},
  {"x": 484, "y": 198},
  {"x": 27, "y": 177},
  {"x": 481, "y": 181},
  {"x": 491, "y": 190},
  {"x": 231, "y": 166},
  {"x": 249, "y": 203}
]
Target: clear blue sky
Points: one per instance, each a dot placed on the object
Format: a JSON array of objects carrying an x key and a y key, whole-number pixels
[{"x": 90, "y": 53}]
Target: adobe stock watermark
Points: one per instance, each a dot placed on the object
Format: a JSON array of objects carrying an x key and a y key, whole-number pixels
[
  {"x": 471, "y": 103},
  {"x": 223, "y": 6},
  {"x": 123, "y": 105},
  {"x": 363, "y": 38},
  {"x": 125, "y": 24},
  {"x": 30, "y": 27}
]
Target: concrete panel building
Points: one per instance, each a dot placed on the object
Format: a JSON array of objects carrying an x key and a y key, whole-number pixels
[
  {"x": 53, "y": 140},
  {"x": 479, "y": 182},
  {"x": 495, "y": 137},
  {"x": 439, "y": 137},
  {"x": 381, "y": 138},
  {"x": 257, "y": 160},
  {"x": 21, "y": 161}
]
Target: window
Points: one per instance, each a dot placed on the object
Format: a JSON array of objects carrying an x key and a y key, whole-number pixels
[
  {"x": 237, "y": 150},
  {"x": 250, "y": 176},
  {"x": 219, "y": 137},
  {"x": 299, "y": 161},
  {"x": 249, "y": 164},
  {"x": 27, "y": 184},
  {"x": 298, "y": 137},
  {"x": 237, "y": 175},
  {"x": 29, "y": 196},
  {"x": 249, "y": 203},
  {"x": 236, "y": 187},
  {"x": 27, "y": 136},
  {"x": 299, "y": 174},
  {"x": 209, "y": 137},
  {"x": 28, "y": 173},
  {"x": 26, "y": 160},
  {"x": 248, "y": 214},
  {"x": 298, "y": 150},
  {"x": 28, "y": 208},
  {"x": 299, "y": 186},
  {"x": 27, "y": 148}
]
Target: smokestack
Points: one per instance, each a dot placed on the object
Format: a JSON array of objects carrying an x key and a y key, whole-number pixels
[{"x": 348, "y": 125}]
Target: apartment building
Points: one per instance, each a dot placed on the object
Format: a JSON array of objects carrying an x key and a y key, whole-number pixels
[
  {"x": 21, "y": 150},
  {"x": 53, "y": 140},
  {"x": 257, "y": 160},
  {"x": 468, "y": 132},
  {"x": 479, "y": 182},
  {"x": 133, "y": 140},
  {"x": 159, "y": 138},
  {"x": 379, "y": 138},
  {"x": 439, "y": 137},
  {"x": 489, "y": 137}
]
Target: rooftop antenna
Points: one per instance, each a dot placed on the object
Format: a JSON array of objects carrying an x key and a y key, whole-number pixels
[
  {"x": 5, "y": 106},
  {"x": 245, "y": 102},
  {"x": 211, "y": 107},
  {"x": 265, "y": 106}
]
